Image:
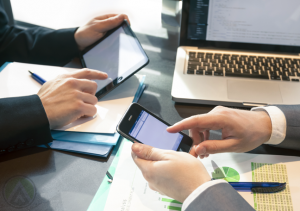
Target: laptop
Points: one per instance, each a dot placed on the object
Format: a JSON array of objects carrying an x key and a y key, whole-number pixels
[{"x": 238, "y": 53}]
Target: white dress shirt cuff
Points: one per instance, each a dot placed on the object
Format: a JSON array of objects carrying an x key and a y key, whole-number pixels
[
  {"x": 278, "y": 123},
  {"x": 198, "y": 191}
]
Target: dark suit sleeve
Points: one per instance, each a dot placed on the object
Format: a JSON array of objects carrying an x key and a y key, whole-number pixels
[
  {"x": 292, "y": 116},
  {"x": 219, "y": 197},
  {"x": 23, "y": 123},
  {"x": 36, "y": 45}
]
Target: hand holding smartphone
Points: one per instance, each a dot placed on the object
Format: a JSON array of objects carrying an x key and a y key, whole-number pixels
[{"x": 140, "y": 125}]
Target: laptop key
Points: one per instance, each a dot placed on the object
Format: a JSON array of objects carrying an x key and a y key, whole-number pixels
[
  {"x": 208, "y": 72},
  {"x": 295, "y": 79},
  {"x": 215, "y": 65},
  {"x": 192, "y": 67},
  {"x": 285, "y": 78},
  {"x": 192, "y": 54},
  {"x": 194, "y": 63},
  {"x": 190, "y": 71},
  {"x": 216, "y": 73},
  {"x": 199, "y": 72},
  {"x": 200, "y": 55},
  {"x": 275, "y": 77},
  {"x": 247, "y": 75},
  {"x": 247, "y": 71},
  {"x": 193, "y": 59}
]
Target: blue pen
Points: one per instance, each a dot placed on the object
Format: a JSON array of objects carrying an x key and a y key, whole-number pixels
[
  {"x": 259, "y": 187},
  {"x": 37, "y": 78}
]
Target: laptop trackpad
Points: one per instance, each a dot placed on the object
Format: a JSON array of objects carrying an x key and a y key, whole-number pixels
[{"x": 253, "y": 91}]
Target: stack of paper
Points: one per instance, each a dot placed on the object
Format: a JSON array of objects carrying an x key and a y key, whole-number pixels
[{"x": 94, "y": 135}]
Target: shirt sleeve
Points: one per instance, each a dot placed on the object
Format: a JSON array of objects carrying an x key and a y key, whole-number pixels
[
  {"x": 198, "y": 191},
  {"x": 278, "y": 123}
]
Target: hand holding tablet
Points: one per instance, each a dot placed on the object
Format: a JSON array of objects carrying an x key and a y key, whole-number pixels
[{"x": 119, "y": 54}]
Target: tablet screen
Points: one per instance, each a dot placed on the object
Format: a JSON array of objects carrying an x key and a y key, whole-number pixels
[{"x": 119, "y": 55}]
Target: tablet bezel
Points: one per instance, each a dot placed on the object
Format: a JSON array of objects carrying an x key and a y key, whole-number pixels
[{"x": 119, "y": 80}]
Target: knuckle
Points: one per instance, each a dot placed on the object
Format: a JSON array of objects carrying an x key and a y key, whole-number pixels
[
  {"x": 79, "y": 105},
  {"x": 72, "y": 82},
  {"x": 87, "y": 72},
  {"x": 76, "y": 94},
  {"x": 95, "y": 100}
]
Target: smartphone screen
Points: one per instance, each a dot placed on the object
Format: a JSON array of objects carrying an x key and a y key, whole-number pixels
[{"x": 149, "y": 130}]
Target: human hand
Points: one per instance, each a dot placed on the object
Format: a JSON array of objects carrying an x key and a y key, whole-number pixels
[
  {"x": 97, "y": 28},
  {"x": 70, "y": 96},
  {"x": 242, "y": 130},
  {"x": 175, "y": 174}
]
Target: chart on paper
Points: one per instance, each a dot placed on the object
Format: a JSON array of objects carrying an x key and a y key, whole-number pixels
[{"x": 130, "y": 191}]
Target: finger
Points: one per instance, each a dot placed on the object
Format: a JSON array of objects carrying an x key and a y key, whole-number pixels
[
  {"x": 111, "y": 22},
  {"x": 206, "y": 134},
  {"x": 87, "y": 110},
  {"x": 204, "y": 121},
  {"x": 89, "y": 74},
  {"x": 216, "y": 146},
  {"x": 144, "y": 165},
  {"x": 103, "y": 17},
  {"x": 83, "y": 85},
  {"x": 195, "y": 135},
  {"x": 193, "y": 151},
  {"x": 147, "y": 152},
  {"x": 197, "y": 139},
  {"x": 88, "y": 98}
]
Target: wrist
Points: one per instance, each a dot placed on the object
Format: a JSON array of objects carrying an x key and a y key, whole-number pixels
[{"x": 266, "y": 125}]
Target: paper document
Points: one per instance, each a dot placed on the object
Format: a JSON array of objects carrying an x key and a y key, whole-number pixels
[
  {"x": 130, "y": 191},
  {"x": 15, "y": 80}
]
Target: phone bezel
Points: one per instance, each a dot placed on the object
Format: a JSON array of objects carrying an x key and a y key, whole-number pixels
[
  {"x": 134, "y": 110},
  {"x": 119, "y": 80}
]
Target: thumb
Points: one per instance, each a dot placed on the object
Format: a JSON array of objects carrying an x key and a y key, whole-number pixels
[
  {"x": 147, "y": 152},
  {"x": 215, "y": 146}
]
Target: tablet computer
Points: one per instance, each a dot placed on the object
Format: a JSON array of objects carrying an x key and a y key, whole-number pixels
[{"x": 119, "y": 54}]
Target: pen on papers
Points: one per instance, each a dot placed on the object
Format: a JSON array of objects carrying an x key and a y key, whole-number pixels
[
  {"x": 110, "y": 177},
  {"x": 37, "y": 78},
  {"x": 259, "y": 187}
]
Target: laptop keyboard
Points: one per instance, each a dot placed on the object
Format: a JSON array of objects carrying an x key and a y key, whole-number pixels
[{"x": 259, "y": 67}]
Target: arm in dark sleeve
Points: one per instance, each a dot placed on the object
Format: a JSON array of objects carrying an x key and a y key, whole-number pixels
[
  {"x": 292, "y": 116},
  {"x": 219, "y": 197},
  {"x": 23, "y": 123},
  {"x": 36, "y": 45}
]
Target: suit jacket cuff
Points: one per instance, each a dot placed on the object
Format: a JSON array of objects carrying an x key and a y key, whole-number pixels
[
  {"x": 278, "y": 123},
  {"x": 23, "y": 123},
  {"x": 198, "y": 191}
]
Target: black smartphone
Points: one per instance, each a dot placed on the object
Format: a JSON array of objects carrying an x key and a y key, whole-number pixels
[
  {"x": 141, "y": 125},
  {"x": 119, "y": 54}
]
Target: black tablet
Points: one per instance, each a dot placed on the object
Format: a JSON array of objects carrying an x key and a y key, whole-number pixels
[{"x": 119, "y": 54}]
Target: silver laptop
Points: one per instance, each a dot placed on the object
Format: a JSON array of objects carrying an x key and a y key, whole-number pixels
[{"x": 238, "y": 53}]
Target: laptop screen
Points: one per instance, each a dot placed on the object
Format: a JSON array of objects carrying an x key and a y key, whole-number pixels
[{"x": 267, "y": 22}]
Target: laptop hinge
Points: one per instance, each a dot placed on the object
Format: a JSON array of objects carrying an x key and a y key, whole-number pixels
[{"x": 254, "y": 104}]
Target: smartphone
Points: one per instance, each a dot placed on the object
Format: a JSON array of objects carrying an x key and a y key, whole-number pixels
[{"x": 140, "y": 125}]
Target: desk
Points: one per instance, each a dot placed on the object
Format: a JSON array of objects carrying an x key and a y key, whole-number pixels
[{"x": 68, "y": 181}]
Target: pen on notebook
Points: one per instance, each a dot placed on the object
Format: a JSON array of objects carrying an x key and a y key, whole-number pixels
[
  {"x": 37, "y": 78},
  {"x": 259, "y": 187},
  {"x": 109, "y": 176}
]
